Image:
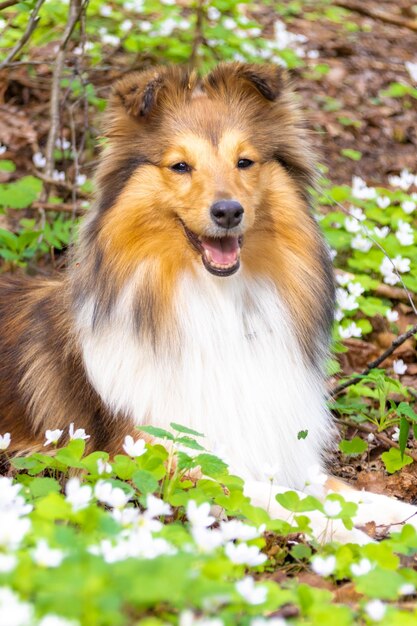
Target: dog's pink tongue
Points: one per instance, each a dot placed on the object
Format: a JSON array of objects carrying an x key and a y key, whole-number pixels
[{"x": 222, "y": 251}]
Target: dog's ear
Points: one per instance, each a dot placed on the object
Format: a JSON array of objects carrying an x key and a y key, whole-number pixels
[
  {"x": 266, "y": 80},
  {"x": 142, "y": 93}
]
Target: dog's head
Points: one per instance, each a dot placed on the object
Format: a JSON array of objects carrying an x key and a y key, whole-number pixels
[{"x": 198, "y": 158}]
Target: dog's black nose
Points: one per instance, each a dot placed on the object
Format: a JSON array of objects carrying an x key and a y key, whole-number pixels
[{"x": 226, "y": 213}]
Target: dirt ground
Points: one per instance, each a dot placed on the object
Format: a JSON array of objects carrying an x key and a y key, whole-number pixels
[{"x": 364, "y": 55}]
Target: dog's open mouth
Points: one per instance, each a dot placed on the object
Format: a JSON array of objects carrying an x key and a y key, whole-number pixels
[{"x": 220, "y": 255}]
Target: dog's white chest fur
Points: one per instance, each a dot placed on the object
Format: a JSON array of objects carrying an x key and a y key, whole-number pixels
[{"x": 233, "y": 371}]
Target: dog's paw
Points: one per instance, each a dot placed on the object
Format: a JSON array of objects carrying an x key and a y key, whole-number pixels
[{"x": 385, "y": 512}]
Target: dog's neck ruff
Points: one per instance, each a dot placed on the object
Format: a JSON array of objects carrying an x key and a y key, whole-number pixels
[{"x": 232, "y": 369}]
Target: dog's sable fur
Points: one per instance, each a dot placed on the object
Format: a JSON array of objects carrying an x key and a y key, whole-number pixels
[{"x": 136, "y": 277}]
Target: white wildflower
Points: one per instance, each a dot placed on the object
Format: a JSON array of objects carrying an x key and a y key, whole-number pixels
[
  {"x": 39, "y": 160},
  {"x": 229, "y": 23},
  {"x": 345, "y": 301},
  {"x": 77, "y": 434},
  {"x": 235, "y": 529},
  {"x": 103, "y": 467},
  {"x": 5, "y": 441},
  {"x": 408, "y": 206},
  {"x": 361, "y": 191},
  {"x": 355, "y": 289},
  {"x": 62, "y": 144},
  {"x": 10, "y": 500},
  {"x": 361, "y": 243},
  {"x": 46, "y": 556},
  {"x": 313, "y": 54},
  {"x": 323, "y": 566},
  {"x": 14, "y": 612},
  {"x": 7, "y": 563},
  {"x": 156, "y": 507},
  {"x": 80, "y": 179},
  {"x": 342, "y": 279},
  {"x": 112, "y": 496},
  {"x": 111, "y": 40},
  {"x": 206, "y": 539},
  {"x": 401, "y": 264},
  {"x": 412, "y": 70},
  {"x": 134, "y": 448},
  {"x": 332, "y": 508},
  {"x": 382, "y": 232},
  {"x": 58, "y": 176},
  {"x": 13, "y": 529},
  {"x": 145, "y": 26},
  {"x": 392, "y": 316},
  {"x": 251, "y": 593},
  {"x": 243, "y": 554},
  {"x": 399, "y": 367},
  {"x": 383, "y": 202},
  {"x": 78, "y": 495},
  {"x": 127, "y": 516},
  {"x": 52, "y": 436},
  {"x": 370, "y": 437},
  {"x": 352, "y": 330},
  {"x": 404, "y": 233},
  {"x": 126, "y": 25},
  {"x": 403, "y": 181},
  {"x": 105, "y": 10},
  {"x": 407, "y": 589},
  {"x": 375, "y": 610},
  {"x": 352, "y": 225},
  {"x": 199, "y": 515},
  {"x": 360, "y": 569},
  {"x": 3, "y": 149},
  {"x": 396, "y": 434},
  {"x": 213, "y": 13},
  {"x": 167, "y": 27},
  {"x": 357, "y": 213}
]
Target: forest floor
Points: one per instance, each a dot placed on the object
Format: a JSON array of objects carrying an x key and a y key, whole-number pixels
[{"x": 363, "y": 55}]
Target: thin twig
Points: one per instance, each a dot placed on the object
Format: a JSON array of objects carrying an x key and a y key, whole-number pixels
[
  {"x": 395, "y": 344},
  {"x": 59, "y": 207},
  {"x": 8, "y": 3},
  {"x": 76, "y": 7},
  {"x": 377, "y": 14},
  {"x": 388, "y": 443},
  {"x": 32, "y": 24},
  {"x": 59, "y": 183},
  {"x": 198, "y": 37}
]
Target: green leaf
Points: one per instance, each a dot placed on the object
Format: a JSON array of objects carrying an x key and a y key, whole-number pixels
[
  {"x": 394, "y": 460},
  {"x": 157, "y": 432},
  {"x": 302, "y": 434},
  {"x": 145, "y": 481},
  {"x": 184, "y": 429},
  {"x": 43, "y": 486},
  {"x": 404, "y": 430},
  {"x": 7, "y": 166},
  {"x": 124, "y": 467},
  {"x": 353, "y": 446},
  {"x": 355, "y": 155},
  {"x": 189, "y": 442},
  {"x": 405, "y": 410},
  {"x": 72, "y": 453},
  {"x": 291, "y": 500},
  {"x": 211, "y": 465}
]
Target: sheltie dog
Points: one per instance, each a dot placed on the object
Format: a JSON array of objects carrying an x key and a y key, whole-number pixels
[{"x": 200, "y": 291}]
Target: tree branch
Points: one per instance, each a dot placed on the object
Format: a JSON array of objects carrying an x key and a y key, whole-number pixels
[
  {"x": 8, "y": 3},
  {"x": 32, "y": 24},
  {"x": 378, "y": 14},
  {"x": 395, "y": 344}
]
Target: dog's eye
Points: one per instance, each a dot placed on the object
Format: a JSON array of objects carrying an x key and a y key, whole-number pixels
[
  {"x": 181, "y": 168},
  {"x": 244, "y": 163}
]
